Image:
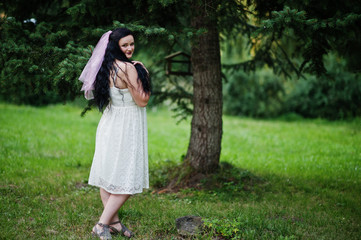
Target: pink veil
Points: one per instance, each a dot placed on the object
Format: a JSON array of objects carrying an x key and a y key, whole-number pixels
[{"x": 91, "y": 69}]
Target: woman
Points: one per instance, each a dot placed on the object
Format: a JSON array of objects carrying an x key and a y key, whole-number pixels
[{"x": 121, "y": 92}]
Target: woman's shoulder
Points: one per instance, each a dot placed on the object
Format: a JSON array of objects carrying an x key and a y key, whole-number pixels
[{"x": 125, "y": 66}]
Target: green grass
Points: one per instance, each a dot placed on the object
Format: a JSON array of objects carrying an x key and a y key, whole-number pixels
[{"x": 307, "y": 178}]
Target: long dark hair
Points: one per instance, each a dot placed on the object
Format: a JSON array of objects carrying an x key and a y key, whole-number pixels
[{"x": 113, "y": 52}]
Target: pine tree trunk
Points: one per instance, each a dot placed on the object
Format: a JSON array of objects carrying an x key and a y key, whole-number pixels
[{"x": 206, "y": 129}]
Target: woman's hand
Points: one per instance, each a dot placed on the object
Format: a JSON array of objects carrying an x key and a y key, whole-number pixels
[{"x": 137, "y": 62}]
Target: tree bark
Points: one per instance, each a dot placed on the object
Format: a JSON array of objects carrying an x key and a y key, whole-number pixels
[{"x": 206, "y": 128}]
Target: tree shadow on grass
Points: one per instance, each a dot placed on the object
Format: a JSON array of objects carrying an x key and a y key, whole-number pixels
[{"x": 226, "y": 183}]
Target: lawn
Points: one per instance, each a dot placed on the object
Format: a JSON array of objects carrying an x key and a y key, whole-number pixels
[{"x": 302, "y": 179}]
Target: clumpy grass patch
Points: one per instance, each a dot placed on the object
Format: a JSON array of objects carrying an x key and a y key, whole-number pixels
[{"x": 278, "y": 179}]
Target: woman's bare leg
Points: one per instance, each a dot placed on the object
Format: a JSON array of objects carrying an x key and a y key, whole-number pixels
[
  {"x": 115, "y": 201},
  {"x": 104, "y": 195},
  {"x": 110, "y": 212}
]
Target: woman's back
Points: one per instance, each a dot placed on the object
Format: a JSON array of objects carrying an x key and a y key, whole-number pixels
[
  {"x": 125, "y": 76},
  {"x": 118, "y": 77}
]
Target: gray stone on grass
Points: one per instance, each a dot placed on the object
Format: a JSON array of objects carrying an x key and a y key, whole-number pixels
[{"x": 189, "y": 225}]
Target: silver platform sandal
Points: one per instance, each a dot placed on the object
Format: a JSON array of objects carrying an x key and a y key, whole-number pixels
[
  {"x": 102, "y": 233},
  {"x": 122, "y": 231}
]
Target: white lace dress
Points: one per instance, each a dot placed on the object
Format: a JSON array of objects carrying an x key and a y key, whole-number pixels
[{"x": 120, "y": 163}]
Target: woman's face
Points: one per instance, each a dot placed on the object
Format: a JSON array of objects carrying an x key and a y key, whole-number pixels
[{"x": 126, "y": 44}]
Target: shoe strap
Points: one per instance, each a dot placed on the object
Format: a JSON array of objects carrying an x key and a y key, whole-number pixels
[
  {"x": 125, "y": 229},
  {"x": 115, "y": 231},
  {"x": 103, "y": 225},
  {"x": 113, "y": 223}
]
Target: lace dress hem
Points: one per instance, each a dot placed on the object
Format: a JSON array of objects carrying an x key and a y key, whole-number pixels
[{"x": 113, "y": 189}]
